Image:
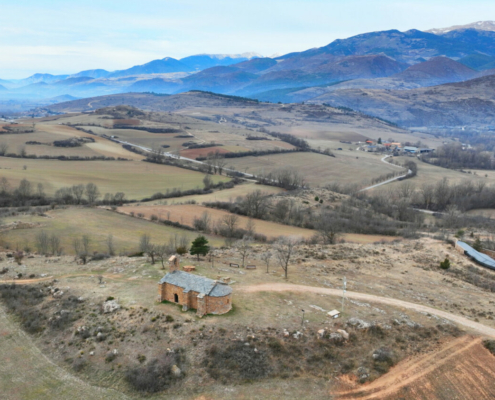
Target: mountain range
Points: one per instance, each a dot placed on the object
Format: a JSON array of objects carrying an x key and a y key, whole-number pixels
[{"x": 337, "y": 73}]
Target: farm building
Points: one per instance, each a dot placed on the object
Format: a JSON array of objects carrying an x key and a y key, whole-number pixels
[
  {"x": 204, "y": 295},
  {"x": 480, "y": 258}
]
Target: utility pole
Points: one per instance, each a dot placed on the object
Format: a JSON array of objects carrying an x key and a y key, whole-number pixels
[{"x": 343, "y": 295}]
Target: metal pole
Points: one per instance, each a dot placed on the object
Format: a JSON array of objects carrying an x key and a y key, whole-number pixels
[
  {"x": 343, "y": 295},
  {"x": 302, "y": 321}
]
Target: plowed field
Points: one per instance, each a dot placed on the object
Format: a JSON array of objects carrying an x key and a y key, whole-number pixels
[{"x": 462, "y": 369}]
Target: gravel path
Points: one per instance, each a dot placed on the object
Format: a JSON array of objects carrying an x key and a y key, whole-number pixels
[{"x": 287, "y": 287}]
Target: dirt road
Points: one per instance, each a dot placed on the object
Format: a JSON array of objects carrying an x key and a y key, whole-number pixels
[{"x": 287, "y": 287}]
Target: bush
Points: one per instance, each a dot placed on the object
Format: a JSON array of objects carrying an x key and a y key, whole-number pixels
[
  {"x": 445, "y": 264},
  {"x": 490, "y": 345},
  {"x": 156, "y": 375}
]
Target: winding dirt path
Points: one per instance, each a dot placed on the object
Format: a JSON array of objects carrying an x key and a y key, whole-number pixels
[{"x": 288, "y": 287}]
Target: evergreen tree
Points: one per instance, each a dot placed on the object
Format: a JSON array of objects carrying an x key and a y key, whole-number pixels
[
  {"x": 477, "y": 244},
  {"x": 200, "y": 246}
]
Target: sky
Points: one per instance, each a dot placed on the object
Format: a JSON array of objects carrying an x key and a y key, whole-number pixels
[{"x": 64, "y": 37}]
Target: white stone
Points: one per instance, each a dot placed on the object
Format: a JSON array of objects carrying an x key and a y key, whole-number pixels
[
  {"x": 344, "y": 334},
  {"x": 110, "y": 306}
]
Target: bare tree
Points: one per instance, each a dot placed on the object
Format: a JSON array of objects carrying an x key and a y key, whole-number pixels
[
  {"x": 110, "y": 245},
  {"x": 79, "y": 249},
  {"x": 221, "y": 163},
  {"x": 230, "y": 222},
  {"x": 41, "y": 190},
  {"x": 22, "y": 151},
  {"x": 55, "y": 244},
  {"x": 284, "y": 249},
  {"x": 147, "y": 247},
  {"x": 266, "y": 258},
  {"x": 92, "y": 193},
  {"x": 78, "y": 192},
  {"x": 427, "y": 193},
  {"x": 4, "y": 185},
  {"x": 406, "y": 189},
  {"x": 202, "y": 223},
  {"x": 86, "y": 243},
  {"x": 42, "y": 242},
  {"x": 256, "y": 204},
  {"x": 4, "y": 148},
  {"x": 328, "y": 228},
  {"x": 251, "y": 227},
  {"x": 207, "y": 181},
  {"x": 161, "y": 253},
  {"x": 243, "y": 246}
]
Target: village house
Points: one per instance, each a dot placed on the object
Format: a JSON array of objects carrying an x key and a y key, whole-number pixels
[{"x": 204, "y": 295}]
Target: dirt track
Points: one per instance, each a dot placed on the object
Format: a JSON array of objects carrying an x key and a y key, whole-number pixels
[
  {"x": 461, "y": 369},
  {"x": 287, "y": 287}
]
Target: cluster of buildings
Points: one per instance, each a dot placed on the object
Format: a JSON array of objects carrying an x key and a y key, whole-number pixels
[{"x": 394, "y": 147}]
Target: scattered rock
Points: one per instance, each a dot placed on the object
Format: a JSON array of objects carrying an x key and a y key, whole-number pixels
[
  {"x": 358, "y": 323},
  {"x": 321, "y": 333},
  {"x": 110, "y": 306},
  {"x": 297, "y": 335}
]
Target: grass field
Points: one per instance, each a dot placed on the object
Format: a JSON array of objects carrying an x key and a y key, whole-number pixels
[
  {"x": 221, "y": 195},
  {"x": 428, "y": 173},
  {"x": 318, "y": 169},
  {"x": 185, "y": 214},
  {"x": 98, "y": 224},
  {"x": 136, "y": 179}
]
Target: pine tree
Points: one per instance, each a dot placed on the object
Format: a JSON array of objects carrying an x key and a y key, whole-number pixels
[
  {"x": 477, "y": 244},
  {"x": 199, "y": 246}
]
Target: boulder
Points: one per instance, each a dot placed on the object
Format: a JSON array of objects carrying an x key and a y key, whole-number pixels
[
  {"x": 344, "y": 334},
  {"x": 110, "y": 306},
  {"x": 321, "y": 333},
  {"x": 176, "y": 371}
]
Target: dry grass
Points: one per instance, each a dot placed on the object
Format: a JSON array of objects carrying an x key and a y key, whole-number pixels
[
  {"x": 136, "y": 179},
  {"x": 98, "y": 224},
  {"x": 319, "y": 170}
]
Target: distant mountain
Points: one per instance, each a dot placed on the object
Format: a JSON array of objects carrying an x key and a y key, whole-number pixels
[
  {"x": 203, "y": 61},
  {"x": 480, "y": 26},
  {"x": 479, "y": 62},
  {"x": 436, "y": 71},
  {"x": 163, "y": 66},
  {"x": 470, "y": 102},
  {"x": 3, "y": 87},
  {"x": 91, "y": 73},
  {"x": 39, "y": 78}
]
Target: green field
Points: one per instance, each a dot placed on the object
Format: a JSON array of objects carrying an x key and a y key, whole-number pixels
[
  {"x": 136, "y": 179},
  {"x": 98, "y": 224}
]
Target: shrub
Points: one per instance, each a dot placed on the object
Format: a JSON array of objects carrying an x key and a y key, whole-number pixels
[
  {"x": 181, "y": 250},
  {"x": 490, "y": 345},
  {"x": 156, "y": 375},
  {"x": 110, "y": 298},
  {"x": 110, "y": 356},
  {"x": 445, "y": 264},
  {"x": 169, "y": 318}
]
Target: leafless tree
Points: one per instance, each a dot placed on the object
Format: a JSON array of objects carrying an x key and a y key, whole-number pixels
[
  {"x": 243, "y": 246},
  {"x": 203, "y": 223},
  {"x": 406, "y": 189},
  {"x": 161, "y": 253},
  {"x": 42, "y": 242},
  {"x": 251, "y": 227},
  {"x": 22, "y": 151},
  {"x": 110, "y": 245},
  {"x": 207, "y": 181},
  {"x": 100, "y": 279},
  {"x": 328, "y": 228},
  {"x": 147, "y": 247},
  {"x": 427, "y": 193},
  {"x": 4, "y": 148},
  {"x": 55, "y": 244},
  {"x": 284, "y": 249},
  {"x": 92, "y": 193},
  {"x": 41, "y": 190},
  {"x": 221, "y": 163},
  {"x": 78, "y": 192},
  {"x": 256, "y": 204},
  {"x": 4, "y": 185},
  {"x": 86, "y": 243},
  {"x": 266, "y": 258},
  {"x": 230, "y": 222}
]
